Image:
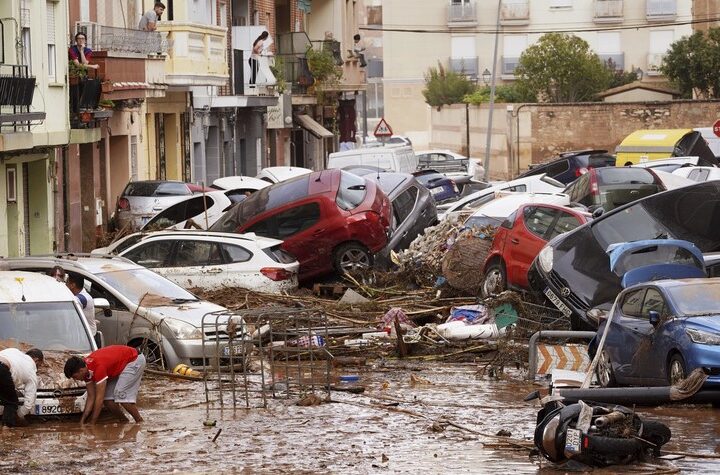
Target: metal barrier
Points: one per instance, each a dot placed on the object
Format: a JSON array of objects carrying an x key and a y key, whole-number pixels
[
  {"x": 274, "y": 352},
  {"x": 532, "y": 358}
]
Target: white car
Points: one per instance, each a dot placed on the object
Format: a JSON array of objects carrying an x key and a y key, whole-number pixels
[
  {"x": 240, "y": 183},
  {"x": 278, "y": 174},
  {"x": 698, "y": 174},
  {"x": 210, "y": 260},
  {"x": 446, "y": 161},
  {"x": 669, "y": 164},
  {"x": 203, "y": 210},
  {"x": 530, "y": 184},
  {"x": 497, "y": 211}
]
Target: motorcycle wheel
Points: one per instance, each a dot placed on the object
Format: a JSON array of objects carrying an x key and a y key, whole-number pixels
[
  {"x": 610, "y": 450},
  {"x": 656, "y": 433}
]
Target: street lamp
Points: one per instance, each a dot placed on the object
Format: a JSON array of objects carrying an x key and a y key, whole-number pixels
[
  {"x": 639, "y": 73},
  {"x": 486, "y": 75}
]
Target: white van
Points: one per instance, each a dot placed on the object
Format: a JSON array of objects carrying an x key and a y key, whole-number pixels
[
  {"x": 397, "y": 159},
  {"x": 36, "y": 311}
]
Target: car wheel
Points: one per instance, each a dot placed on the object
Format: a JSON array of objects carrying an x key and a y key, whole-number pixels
[
  {"x": 676, "y": 369},
  {"x": 604, "y": 371},
  {"x": 352, "y": 257},
  {"x": 151, "y": 351},
  {"x": 494, "y": 281}
]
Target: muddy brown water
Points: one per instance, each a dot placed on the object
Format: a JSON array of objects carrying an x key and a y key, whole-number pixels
[{"x": 364, "y": 433}]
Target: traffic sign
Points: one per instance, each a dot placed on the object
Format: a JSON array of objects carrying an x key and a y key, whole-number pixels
[
  {"x": 383, "y": 129},
  {"x": 716, "y": 127}
]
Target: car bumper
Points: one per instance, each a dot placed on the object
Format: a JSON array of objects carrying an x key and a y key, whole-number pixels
[
  {"x": 542, "y": 283},
  {"x": 706, "y": 357},
  {"x": 208, "y": 354},
  {"x": 132, "y": 220}
]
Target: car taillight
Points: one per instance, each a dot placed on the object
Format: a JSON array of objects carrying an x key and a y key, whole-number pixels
[
  {"x": 580, "y": 171},
  {"x": 123, "y": 203},
  {"x": 276, "y": 274}
]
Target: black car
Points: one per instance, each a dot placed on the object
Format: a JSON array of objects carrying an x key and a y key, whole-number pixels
[
  {"x": 573, "y": 270},
  {"x": 569, "y": 166},
  {"x": 612, "y": 187}
]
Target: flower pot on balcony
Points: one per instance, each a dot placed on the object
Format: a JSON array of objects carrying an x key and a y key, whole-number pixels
[{"x": 86, "y": 117}]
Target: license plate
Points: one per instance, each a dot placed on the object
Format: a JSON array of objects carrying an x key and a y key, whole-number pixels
[
  {"x": 557, "y": 302},
  {"x": 54, "y": 408},
  {"x": 236, "y": 350},
  {"x": 573, "y": 439}
]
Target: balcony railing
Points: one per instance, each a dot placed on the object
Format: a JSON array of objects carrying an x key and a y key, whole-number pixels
[
  {"x": 465, "y": 66},
  {"x": 654, "y": 63},
  {"x": 291, "y": 48},
  {"x": 462, "y": 13},
  {"x": 515, "y": 12},
  {"x": 608, "y": 11},
  {"x": 509, "y": 63},
  {"x": 353, "y": 74},
  {"x": 85, "y": 100},
  {"x": 197, "y": 54},
  {"x": 613, "y": 61},
  {"x": 124, "y": 40},
  {"x": 16, "y": 96},
  {"x": 661, "y": 10},
  {"x": 133, "y": 76}
]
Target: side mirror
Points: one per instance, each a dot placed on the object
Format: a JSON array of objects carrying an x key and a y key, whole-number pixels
[
  {"x": 101, "y": 303},
  {"x": 597, "y": 212},
  {"x": 107, "y": 312},
  {"x": 654, "y": 318}
]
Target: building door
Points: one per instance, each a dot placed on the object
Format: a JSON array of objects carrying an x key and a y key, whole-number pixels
[
  {"x": 160, "y": 131},
  {"x": 13, "y": 211},
  {"x": 37, "y": 235}
]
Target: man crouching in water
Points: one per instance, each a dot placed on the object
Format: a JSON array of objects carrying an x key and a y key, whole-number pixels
[{"x": 112, "y": 376}]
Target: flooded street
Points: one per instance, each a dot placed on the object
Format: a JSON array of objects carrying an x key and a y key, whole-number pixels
[{"x": 390, "y": 428}]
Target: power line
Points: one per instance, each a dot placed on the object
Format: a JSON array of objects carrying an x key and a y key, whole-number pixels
[{"x": 492, "y": 31}]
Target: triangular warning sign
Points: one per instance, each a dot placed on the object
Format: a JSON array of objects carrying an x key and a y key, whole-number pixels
[{"x": 383, "y": 129}]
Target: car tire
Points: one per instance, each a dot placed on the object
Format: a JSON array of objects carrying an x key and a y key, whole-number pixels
[
  {"x": 676, "y": 370},
  {"x": 351, "y": 257},
  {"x": 151, "y": 351},
  {"x": 604, "y": 371},
  {"x": 494, "y": 281}
]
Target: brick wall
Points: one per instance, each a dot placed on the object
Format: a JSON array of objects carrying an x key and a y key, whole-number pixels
[{"x": 703, "y": 9}]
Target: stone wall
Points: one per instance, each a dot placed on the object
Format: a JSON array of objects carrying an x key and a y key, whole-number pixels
[{"x": 532, "y": 133}]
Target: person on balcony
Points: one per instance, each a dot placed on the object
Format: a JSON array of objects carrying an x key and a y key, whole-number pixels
[
  {"x": 358, "y": 50},
  {"x": 149, "y": 20},
  {"x": 257, "y": 49},
  {"x": 80, "y": 54}
]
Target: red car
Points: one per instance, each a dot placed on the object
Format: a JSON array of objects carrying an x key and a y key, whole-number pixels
[
  {"x": 520, "y": 238},
  {"x": 330, "y": 220}
]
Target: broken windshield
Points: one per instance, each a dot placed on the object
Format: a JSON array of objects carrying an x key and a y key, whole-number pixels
[
  {"x": 145, "y": 285},
  {"x": 49, "y": 326}
]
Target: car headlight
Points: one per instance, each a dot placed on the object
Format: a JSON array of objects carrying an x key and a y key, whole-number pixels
[
  {"x": 545, "y": 258},
  {"x": 703, "y": 338},
  {"x": 183, "y": 330}
]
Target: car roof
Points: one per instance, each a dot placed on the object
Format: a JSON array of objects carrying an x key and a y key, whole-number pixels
[
  {"x": 74, "y": 262},
  {"x": 513, "y": 201},
  {"x": 261, "y": 241},
  {"x": 158, "y": 181},
  {"x": 235, "y": 182},
  {"x": 19, "y": 286},
  {"x": 389, "y": 182}
]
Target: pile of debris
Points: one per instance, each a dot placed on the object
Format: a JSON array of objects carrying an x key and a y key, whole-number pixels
[{"x": 447, "y": 253}]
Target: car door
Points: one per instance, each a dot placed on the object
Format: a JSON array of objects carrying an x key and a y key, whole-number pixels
[
  {"x": 242, "y": 269},
  {"x": 115, "y": 324},
  {"x": 151, "y": 254},
  {"x": 196, "y": 263},
  {"x": 525, "y": 241},
  {"x": 402, "y": 207},
  {"x": 623, "y": 341},
  {"x": 651, "y": 353}
]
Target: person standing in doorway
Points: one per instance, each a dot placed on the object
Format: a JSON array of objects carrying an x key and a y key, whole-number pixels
[
  {"x": 18, "y": 370},
  {"x": 112, "y": 376},
  {"x": 149, "y": 20},
  {"x": 76, "y": 284},
  {"x": 257, "y": 49}
]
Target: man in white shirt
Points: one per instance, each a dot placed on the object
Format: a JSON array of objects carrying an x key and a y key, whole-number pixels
[
  {"x": 18, "y": 370},
  {"x": 149, "y": 20},
  {"x": 76, "y": 284}
]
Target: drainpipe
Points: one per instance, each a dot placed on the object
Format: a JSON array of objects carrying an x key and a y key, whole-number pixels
[
  {"x": 492, "y": 95},
  {"x": 516, "y": 113}
]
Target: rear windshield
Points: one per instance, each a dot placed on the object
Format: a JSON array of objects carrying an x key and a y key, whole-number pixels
[
  {"x": 656, "y": 255},
  {"x": 278, "y": 255},
  {"x": 696, "y": 299},
  {"x": 615, "y": 176},
  {"x": 351, "y": 192},
  {"x": 263, "y": 200},
  {"x": 182, "y": 211},
  {"x": 598, "y": 161},
  {"x": 144, "y": 188}
]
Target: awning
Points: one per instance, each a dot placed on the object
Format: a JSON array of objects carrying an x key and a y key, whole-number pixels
[{"x": 309, "y": 124}]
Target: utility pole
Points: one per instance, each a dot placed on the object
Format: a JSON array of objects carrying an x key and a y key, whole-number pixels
[
  {"x": 467, "y": 131},
  {"x": 492, "y": 95}
]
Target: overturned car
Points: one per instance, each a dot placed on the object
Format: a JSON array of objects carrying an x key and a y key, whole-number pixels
[{"x": 573, "y": 270}]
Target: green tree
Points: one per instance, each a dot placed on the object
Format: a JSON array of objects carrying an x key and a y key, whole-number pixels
[
  {"x": 505, "y": 93},
  {"x": 445, "y": 87},
  {"x": 692, "y": 64},
  {"x": 561, "y": 68}
]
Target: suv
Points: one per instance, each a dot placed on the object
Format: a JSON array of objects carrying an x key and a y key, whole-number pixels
[
  {"x": 571, "y": 165},
  {"x": 611, "y": 187},
  {"x": 146, "y": 311},
  {"x": 330, "y": 220},
  {"x": 38, "y": 311}
]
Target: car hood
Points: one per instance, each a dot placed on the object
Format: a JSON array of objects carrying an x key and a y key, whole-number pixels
[
  {"x": 710, "y": 323},
  {"x": 191, "y": 312},
  {"x": 153, "y": 204}
]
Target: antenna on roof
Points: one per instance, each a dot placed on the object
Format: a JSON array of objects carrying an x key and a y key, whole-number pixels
[{"x": 319, "y": 176}]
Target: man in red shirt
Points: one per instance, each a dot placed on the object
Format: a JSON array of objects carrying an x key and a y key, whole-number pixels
[{"x": 112, "y": 376}]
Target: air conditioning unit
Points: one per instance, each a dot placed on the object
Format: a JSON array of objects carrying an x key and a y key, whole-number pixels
[{"x": 92, "y": 31}]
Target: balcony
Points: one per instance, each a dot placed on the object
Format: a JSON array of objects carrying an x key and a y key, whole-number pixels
[
  {"x": 16, "y": 96},
  {"x": 661, "y": 10},
  {"x": 85, "y": 111},
  {"x": 608, "y": 11},
  {"x": 509, "y": 63},
  {"x": 515, "y": 12},
  {"x": 616, "y": 61},
  {"x": 462, "y": 14},
  {"x": 129, "y": 77},
  {"x": 290, "y": 52},
  {"x": 654, "y": 63},
  {"x": 197, "y": 54},
  {"x": 353, "y": 75},
  {"x": 465, "y": 66}
]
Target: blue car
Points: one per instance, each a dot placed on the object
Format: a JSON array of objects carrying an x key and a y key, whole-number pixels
[{"x": 441, "y": 187}]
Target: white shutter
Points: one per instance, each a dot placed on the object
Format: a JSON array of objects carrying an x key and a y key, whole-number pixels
[
  {"x": 24, "y": 14},
  {"x": 50, "y": 22}
]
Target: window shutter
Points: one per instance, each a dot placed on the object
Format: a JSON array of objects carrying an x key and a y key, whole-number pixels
[{"x": 50, "y": 22}]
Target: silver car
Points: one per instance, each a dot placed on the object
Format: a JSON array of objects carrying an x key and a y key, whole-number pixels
[
  {"x": 149, "y": 312},
  {"x": 141, "y": 200}
]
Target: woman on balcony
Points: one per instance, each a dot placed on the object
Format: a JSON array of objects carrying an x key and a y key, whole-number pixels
[
  {"x": 257, "y": 49},
  {"x": 81, "y": 54}
]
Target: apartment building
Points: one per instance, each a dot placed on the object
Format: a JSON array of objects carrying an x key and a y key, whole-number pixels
[{"x": 632, "y": 35}]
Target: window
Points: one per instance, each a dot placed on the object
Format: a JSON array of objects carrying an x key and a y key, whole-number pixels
[
  {"x": 632, "y": 303},
  {"x": 236, "y": 253},
  {"x": 26, "y": 53},
  {"x": 579, "y": 190},
  {"x": 518, "y": 188},
  {"x": 538, "y": 219},
  {"x": 463, "y": 47},
  {"x": 556, "y": 168},
  {"x": 351, "y": 192},
  {"x": 566, "y": 222},
  {"x": 660, "y": 41},
  {"x": 289, "y": 222},
  {"x": 52, "y": 56},
  {"x": 374, "y": 15},
  {"x": 699, "y": 175},
  {"x": 196, "y": 253},
  {"x": 152, "y": 254},
  {"x": 513, "y": 47},
  {"x": 654, "y": 302},
  {"x": 223, "y": 14},
  {"x": 608, "y": 42},
  {"x": 403, "y": 205}
]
